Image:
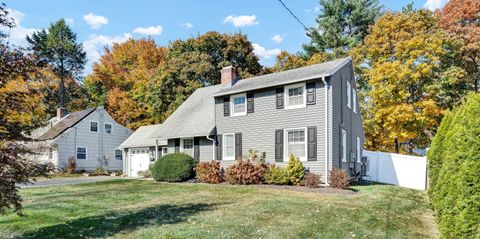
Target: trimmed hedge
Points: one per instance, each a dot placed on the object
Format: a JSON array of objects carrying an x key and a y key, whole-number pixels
[
  {"x": 176, "y": 167},
  {"x": 454, "y": 171}
]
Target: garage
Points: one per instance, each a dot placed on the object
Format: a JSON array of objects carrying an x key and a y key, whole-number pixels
[{"x": 139, "y": 161}]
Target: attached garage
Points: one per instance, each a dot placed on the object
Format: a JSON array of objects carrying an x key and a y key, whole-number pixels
[{"x": 139, "y": 161}]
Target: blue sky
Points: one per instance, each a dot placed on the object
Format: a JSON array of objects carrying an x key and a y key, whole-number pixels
[{"x": 101, "y": 23}]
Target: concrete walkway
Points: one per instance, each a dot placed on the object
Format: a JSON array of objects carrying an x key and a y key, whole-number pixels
[{"x": 69, "y": 181}]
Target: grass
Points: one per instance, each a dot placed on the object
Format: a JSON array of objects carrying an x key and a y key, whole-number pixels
[{"x": 147, "y": 209}]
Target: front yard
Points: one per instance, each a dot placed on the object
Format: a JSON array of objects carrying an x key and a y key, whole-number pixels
[{"x": 147, "y": 209}]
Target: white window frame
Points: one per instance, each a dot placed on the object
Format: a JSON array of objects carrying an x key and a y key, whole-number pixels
[
  {"x": 349, "y": 95},
  {"x": 286, "y": 156},
  {"x": 115, "y": 154},
  {"x": 90, "y": 126},
  {"x": 86, "y": 152},
  {"x": 232, "y": 104},
  {"x": 182, "y": 148},
  {"x": 354, "y": 99},
  {"x": 224, "y": 146},
  {"x": 359, "y": 150},
  {"x": 304, "y": 96},
  {"x": 344, "y": 146},
  {"x": 50, "y": 153},
  {"x": 105, "y": 128}
]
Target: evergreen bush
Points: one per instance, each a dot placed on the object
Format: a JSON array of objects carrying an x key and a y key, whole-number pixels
[
  {"x": 294, "y": 170},
  {"x": 176, "y": 167}
]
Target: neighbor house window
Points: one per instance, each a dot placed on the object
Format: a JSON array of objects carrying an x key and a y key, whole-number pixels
[
  {"x": 50, "y": 153},
  {"x": 108, "y": 128},
  {"x": 82, "y": 153},
  {"x": 344, "y": 146},
  {"x": 296, "y": 143},
  {"x": 165, "y": 150},
  {"x": 238, "y": 104},
  {"x": 229, "y": 146},
  {"x": 349, "y": 95},
  {"x": 295, "y": 96},
  {"x": 118, "y": 154},
  {"x": 93, "y": 126},
  {"x": 354, "y": 103},
  {"x": 359, "y": 150}
]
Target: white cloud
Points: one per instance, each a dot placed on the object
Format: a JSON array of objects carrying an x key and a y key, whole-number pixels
[
  {"x": 261, "y": 52},
  {"x": 241, "y": 21},
  {"x": 70, "y": 21},
  {"x": 152, "y": 30},
  {"x": 95, "y": 21},
  {"x": 95, "y": 44},
  {"x": 187, "y": 25},
  {"x": 434, "y": 4},
  {"x": 277, "y": 38},
  {"x": 17, "y": 34}
]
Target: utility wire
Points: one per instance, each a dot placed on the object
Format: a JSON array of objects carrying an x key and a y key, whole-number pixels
[{"x": 296, "y": 18}]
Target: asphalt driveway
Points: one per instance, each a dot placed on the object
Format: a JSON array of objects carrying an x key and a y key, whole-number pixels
[{"x": 68, "y": 181}]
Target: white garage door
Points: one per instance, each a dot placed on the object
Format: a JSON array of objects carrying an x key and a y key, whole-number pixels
[{"x": 140, "y": 161}]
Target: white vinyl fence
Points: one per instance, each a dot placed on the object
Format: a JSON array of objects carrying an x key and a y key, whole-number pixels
[{"x": 397, "y": 169}]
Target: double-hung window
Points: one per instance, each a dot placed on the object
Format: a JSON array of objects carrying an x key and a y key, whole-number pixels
[
  {"x": 118, "y": 154},
  {"x": 344, "y": 146},
  {"x": 108, "y": 128},
  {"x": 187, "y": 145},
  {"x": 359, "y": 150},
  {"x": 239, "y": 105},
  {"x": 295, "y": 96},
  {"x": 349, "y": 95},
  {"x": 229, "y": 146},
  {"x": 354, "y": 103},
  {"x": 82, "y": 153},
  {"x": 296, "y": 143},
  {"x": 93, "y": 126}
]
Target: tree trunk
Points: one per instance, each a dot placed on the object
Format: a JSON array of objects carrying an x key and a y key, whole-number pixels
[
  {"x": 396, "y": 146},
  {"x": 62, "y": 85}
]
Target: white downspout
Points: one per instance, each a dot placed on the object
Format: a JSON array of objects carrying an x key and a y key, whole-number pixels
[{"x": 326, "y": 129}]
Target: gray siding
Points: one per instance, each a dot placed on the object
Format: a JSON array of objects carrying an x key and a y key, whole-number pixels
[
  {"x": 258, "y": 128},
  {"x": 97, "y": 143},
  {"x": 206, "y": 148},
  {"x": 343, "y": 117}
]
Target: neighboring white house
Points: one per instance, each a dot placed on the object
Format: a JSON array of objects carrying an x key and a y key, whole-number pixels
[{"x": 89, "y": 136}]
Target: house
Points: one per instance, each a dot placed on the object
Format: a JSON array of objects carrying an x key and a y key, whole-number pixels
[
  {"x": 90, "y": 136},
  {"x": 311, "y": 112}
]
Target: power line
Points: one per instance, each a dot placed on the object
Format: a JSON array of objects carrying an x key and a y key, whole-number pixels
[{"x": 296, "y": 18}]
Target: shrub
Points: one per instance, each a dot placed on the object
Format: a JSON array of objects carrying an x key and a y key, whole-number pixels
[
  {"x": 176, "y": 167},
  {"x": 246, "y": 172},
  {"x": 339, "y": 179},
  {"x": 145, "y": 173},
  {"x": 454, "y": 168},
  {"x": 294, "y": 170},
  {"x": 71, "y": 165},
  {"x": 100, "y": 171},
  {"x": 311, "y": 180},
  {"x": 276, "y": 175},
  {"x": 209, "y": 172}
]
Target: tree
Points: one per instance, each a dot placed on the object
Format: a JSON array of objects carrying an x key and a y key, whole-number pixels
[
  {"x": 341, "y": 25},
  {"x": 408, "y": 65},
  {"x": 21, "y": 112},
  {"x": 58, "y": 48},
  {"x": 461, "y": 18}
]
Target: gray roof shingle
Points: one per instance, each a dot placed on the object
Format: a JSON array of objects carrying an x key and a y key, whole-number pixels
[
  {"x": 142, "y": 137},
  {"x": 65, "y": 123}
]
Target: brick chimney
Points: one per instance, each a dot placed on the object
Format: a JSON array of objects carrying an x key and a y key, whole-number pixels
[
  {"x": 61, "y": 112},
  {"x": 229, "y": 75}
]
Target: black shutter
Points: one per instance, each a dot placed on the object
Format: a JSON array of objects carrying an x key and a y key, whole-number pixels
[
  {"x": 279, "y": 145},
  {"x": 238, "y": 145},
  {"x": 312, "y": 143},
  {"x": 311, "y": 93},
  {"x": 226, "y": 106},
  {"x": 250, "y": 103},
  {"x": 219, "y": 147},
  {"x": 177, "y": 145},
  {"x": 279, "y": 97},
  {"x": 196, "y": 148}
]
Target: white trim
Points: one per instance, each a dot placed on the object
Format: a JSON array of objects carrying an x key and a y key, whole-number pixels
[
  {"x": 359, "y": 150},
  {"x": 349, "y": 95},
  {"x": 326, "y": 130},
  {"x": 232, "y": 97},
  {"x": 86, "y": 153},
  {"x": 115, "y": 154},
  {"x": 287, "y": 107},
  {"x": 224, "y": 145},
  {"x": 344, "y": 146},
  {"x": 285, "y": 143},
  {"x": 111, "y": 128},
  {"x": 90, "y": 126},
  {"x": 354, "y": 100}
]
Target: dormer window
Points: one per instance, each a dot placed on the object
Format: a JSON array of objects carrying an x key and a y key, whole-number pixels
[
  {"x": 239, "y": 105},
  {"x": 295, "y": 96}
]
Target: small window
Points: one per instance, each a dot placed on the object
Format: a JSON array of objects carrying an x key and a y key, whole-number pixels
[
  {"x": 238, "y": 104},
  {"x": 349, "y": 95},
  {"x": 359, "y": 150},
  {"x": 344, "y": 146},
  {"x": 50, "y": 153},
  {"x": 295, "y": 96},
  {"x": 354, "y": 103},
  {"x": 165, "y": 150},
  {"x": 93, "y": 126},
  {"x": 118, "y": 154},
  {"x": 296, "y": 144},
  {"x": 82, "y": 153},
  {"x": 229, "y": 146},
  {"x": 108, "y": 128}
]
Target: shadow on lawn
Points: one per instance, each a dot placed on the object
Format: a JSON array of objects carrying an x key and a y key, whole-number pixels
[{"x": 111, "y": 224}]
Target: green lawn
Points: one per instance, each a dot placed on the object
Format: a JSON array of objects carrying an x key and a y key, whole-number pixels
[{"x": 147, "y": 209}]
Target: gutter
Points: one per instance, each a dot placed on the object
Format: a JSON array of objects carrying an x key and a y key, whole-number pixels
[{"x": 326, "y": 129}]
